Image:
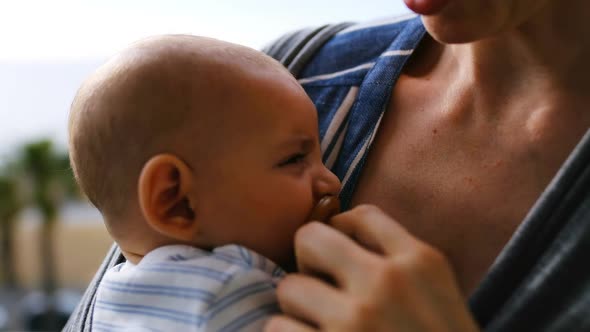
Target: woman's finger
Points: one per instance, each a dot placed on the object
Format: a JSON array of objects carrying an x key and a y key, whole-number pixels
[
  {"x": 324, "y": 251},
  {"x": 310, "y": 300},
  {"x": 283, "y": 323},
  {"x": 405, "y": 254},
  {"x": 372, "y": 228}
]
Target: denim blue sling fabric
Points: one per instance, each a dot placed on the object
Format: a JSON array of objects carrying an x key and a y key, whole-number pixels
[
  {"x": 350, "y": 80},
  {"x": 541, "y": 280}
]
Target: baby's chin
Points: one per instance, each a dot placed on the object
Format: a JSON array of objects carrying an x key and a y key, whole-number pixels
[{"x": 326, "y": 208}]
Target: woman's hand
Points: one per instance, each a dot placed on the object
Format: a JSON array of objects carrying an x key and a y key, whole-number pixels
[{"x": 383, "y": 279}]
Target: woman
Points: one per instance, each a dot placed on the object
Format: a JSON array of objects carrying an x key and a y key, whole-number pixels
[{"x": 488, "y": 107}]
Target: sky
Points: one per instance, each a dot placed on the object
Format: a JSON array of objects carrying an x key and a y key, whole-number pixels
[{"x": 47, "y": 48}]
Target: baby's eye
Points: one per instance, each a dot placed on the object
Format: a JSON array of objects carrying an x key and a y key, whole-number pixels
[{"x": 293, "y": 160}]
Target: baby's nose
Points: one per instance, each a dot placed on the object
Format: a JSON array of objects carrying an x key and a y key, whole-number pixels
[{"x": 326, "y": 183}]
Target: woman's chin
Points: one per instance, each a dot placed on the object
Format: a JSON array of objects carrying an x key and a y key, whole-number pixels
[{"x": 453, "y": 31}]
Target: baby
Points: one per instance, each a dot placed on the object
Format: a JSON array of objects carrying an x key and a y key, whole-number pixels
[{"x": 203, "y": 158}]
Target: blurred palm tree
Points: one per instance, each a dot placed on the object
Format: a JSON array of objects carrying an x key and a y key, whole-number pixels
[
  {"x": 10, "y": 206},
  {"x": 51, "y": 183}
]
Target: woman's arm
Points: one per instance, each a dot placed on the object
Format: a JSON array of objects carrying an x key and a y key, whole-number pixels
[{"x": 384, "y": 279}]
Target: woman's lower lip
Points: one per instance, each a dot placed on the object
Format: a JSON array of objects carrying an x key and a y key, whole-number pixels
[{"x": 426, "y": 7}]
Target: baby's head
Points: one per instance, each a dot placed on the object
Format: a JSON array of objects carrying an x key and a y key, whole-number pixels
[{"x": 183, "y": 139}]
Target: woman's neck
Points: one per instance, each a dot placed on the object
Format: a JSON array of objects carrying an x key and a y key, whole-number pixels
[{"x": 549, "y": 54}]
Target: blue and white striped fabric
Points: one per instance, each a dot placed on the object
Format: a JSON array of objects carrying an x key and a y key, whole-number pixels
[
  {"x": 350, "y": 80},
  {"x": 182, "y": 288}
]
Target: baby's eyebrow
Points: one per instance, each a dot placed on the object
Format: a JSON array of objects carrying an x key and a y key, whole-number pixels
[{"x": 301, "y": 142}]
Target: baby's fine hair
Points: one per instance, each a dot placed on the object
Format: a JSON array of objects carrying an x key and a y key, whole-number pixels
[{"x": 141, "y": 100}]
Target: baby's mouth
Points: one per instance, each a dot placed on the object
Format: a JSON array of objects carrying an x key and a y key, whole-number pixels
[{"x": 326, "y": 208}]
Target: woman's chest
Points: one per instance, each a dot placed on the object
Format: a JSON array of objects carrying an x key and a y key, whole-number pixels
[{"x": 459, "y": 182}]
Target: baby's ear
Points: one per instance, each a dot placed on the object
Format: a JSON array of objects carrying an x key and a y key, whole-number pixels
[{"x": 164, "y": 189}]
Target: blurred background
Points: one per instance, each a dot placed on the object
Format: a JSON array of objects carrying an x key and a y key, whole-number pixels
[{"x": 51, "y": 240}]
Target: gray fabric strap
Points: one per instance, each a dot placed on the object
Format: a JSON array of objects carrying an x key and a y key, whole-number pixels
[
  {"x": 81, "y": 318},
  {"x": 295, "y": 49},
  {"x": 541, "y": 280}
]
